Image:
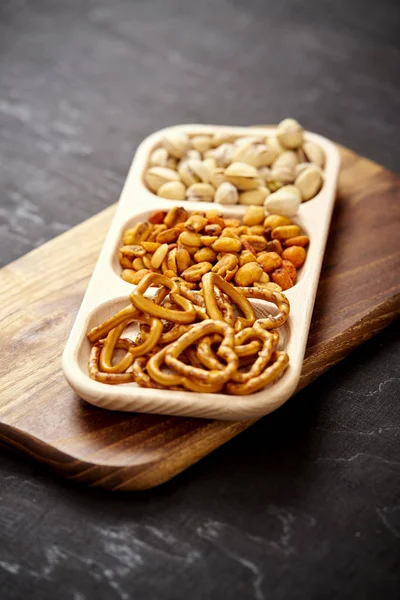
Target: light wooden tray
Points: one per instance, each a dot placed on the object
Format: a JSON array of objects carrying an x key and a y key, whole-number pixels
[
  {"x": 40, "y": 415},
  {"x": 107, "y": 293}
]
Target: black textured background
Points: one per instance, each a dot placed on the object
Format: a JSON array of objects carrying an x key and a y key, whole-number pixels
[{"x": 305, "y": 505}]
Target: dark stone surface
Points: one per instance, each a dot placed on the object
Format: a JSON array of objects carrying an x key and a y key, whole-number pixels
[{"x": 306, "y": 504}]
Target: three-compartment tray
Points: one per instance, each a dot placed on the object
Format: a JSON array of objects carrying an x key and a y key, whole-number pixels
[{"x": 107, "y": 293}]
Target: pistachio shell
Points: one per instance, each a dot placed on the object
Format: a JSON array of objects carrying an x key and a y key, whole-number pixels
[
  {"x": 254, "y": 197},
  {"x": 210, "y": 163},
  {"x": 217, "y": 176},
  {"x": 223, "y": 154},
  {"x": 302, "y": 166},
  {"x": 157, "y": 176},
  {"x": 173, "y": 190},
  {"x": 222, "y": 137},
  {"x": 284, "y": 202},
  {"x": 281, "y": 175},
  {"x": 201, "y": 143},
  {"x": 258, "y": 155},
  {"x": 249, "y": 139},
  {"x": 274, "y": 145},
  {"x": 193, "y": 171},
  {"x": 286, "y": 159},
  {"x": 309, "y": 182},
  {"x": 176, "y": 143},
  {"x": 264, "y": 173},
  {"x": 159, "y": 158},
  {"x": 243, "y": 176},
  {"x": 290, "y": 133},
  {"x": 226, "y": 194},
  {"x": 314, "y": 153},
  {"x": 200, "y": 192},
  {"x": 193, "y": 155}
]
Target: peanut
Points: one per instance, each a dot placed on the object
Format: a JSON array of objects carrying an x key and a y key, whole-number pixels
[
  {"x": 132, "y": 251},
  {"x": 134, "y": 276},
  {"x": 248, "y": 274},
  {"x": 138, "y": 264},
  {"x": 227, "y": 244},
  {"x": 282, "y": 278},
  {"x": 254, "y": 215},
  {"x": 168, "y": 236},
  {"x": 183, "y": 260},
  {"x": 284, "y": 232},
  {"x": 300, "y": 240},
  {"x": 274, "y": 221},
  {"x": 124, "y": 261},
  {"x": 205, "y": 254},
  {"x": 291, "y": 269},
  {"x": 208, "y": 240},
  {"x": 189, "y": 238},
  {"x": 159, "y": 256},
  {"x": 269, "y": 261},
  {"x": 296, "y": 255},
  {"x": 196, "y": 272}
]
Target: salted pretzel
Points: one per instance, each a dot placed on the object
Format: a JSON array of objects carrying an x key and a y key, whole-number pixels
[
  {"x": 264, "y": 355},
  {"x": 210, "y": 280},
  {"x": 280, "y": 301},
  {"x": 111, "y": 378},
  {"x": 268, "y": 376}
]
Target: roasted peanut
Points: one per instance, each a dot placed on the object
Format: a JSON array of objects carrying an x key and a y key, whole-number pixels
[
  {"x": 157, "y": 217},
  {"x": 274, "y": 221},
  {"x": 183, "y": 260},
  {"x": 138, "y": 264},
  {"x": 291, "y": 269},
  {"x": 196, "y": 272},
  {"x": 168, "y": 236},
  {"x": 208, "y": 240},
  {"x": 205, "y": 254},
  {"x": 134, "y": 276},
  {"x": 227, "y": 244},
  {"x": 190, "y": 239},
  {"x": 269, "y": 261},
  {"x": 296, "y": 255},
  {"x": 282, "y": 278},
  {"x": 196, "y": 223},
  {"x": 227, "y": 263},
  {"x": 258, "y": 242},
  {"x": 159, "y": 256},
  {"x": 254, "y": 215},
  {"x": 150, "y": 246},
  {"x": 246, "y": 257},
  {"x": 284, "y": 232},
  {"x": 248, "y": 274},
  {"x": 300, "y": 240}
]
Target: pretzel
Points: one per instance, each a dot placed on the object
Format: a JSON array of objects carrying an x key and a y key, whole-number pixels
[
  {"x": 276, "y": 298},
  {"x": 210, "y": 280},
  {"x": 141, "y": 378},
  {"x": 128, "y": 314},
  {"x": 134, "y": 351},
  {"x": 269, "y": 375},
  {"x": 187, "y": 315},
  {"x": 193, "y": 295},
  {"x": 111, "y": 378},
  {"x": 206, "y": 354},
  {"x": 173, "y": 380},
  {"x": 225, "y": 351},
  {"x": 224, "y": 306},
  {"x": 264, "y": 355}
]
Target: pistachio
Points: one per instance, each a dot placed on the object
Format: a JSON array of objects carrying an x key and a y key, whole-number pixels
[
  {"x": 274, "y": 145},
  {"x": 193, "y": 155},
  {"x": 286, "y": 159},
  {"x": 264, "y": 173},
  {"x": 243, "y": 176},
  {"x": 282, "y": 175},
  {"x": 160, "y": 158},
  {"x": 309, "y": 182},
  {"x": 226, "y": 194},
  {"x": 200, "y": 192},
  {"x": 217, "y": 176},
  {"x": 193, "y": 171},
  {"x": 285, "y": 201},
  {"x": 210, "y": 163},
  {"x": 176, "y": 143},
  {"x": 223, "y": 154},
  {"x": 173, "y": 190},
  {"x": 289, "y": 133},
  {"x": 314, "y": 153},
  {"x": 254, "y": 197},
  {"x": 222, "y": 137},
  {"x": 157, "y": 176},
  {"x": 258, "y": 155},
  {"x": 201, "y": 143},
  {"x": 249, "y": 139}
]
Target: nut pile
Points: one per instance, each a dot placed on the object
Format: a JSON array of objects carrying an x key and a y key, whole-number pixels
[
  {"x": 192, "y": 340},
  {"x": 258, "y": 251},
  {"x": 278, "y": 171}
]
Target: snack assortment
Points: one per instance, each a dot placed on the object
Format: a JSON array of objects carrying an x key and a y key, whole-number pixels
[
  {"x": 279, "y": 171},
  {"x": 191, "y": 339},
  {"x": 255, "y": 250}
]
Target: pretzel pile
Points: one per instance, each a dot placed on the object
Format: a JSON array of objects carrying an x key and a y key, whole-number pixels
[{"x": 191, "y": 339}]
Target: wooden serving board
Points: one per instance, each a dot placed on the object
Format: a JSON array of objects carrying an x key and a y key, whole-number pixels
[{"x": 358, "y": 295}]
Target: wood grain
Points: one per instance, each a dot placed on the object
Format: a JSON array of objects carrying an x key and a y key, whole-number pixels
[{"x": 358, "y": 295}]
